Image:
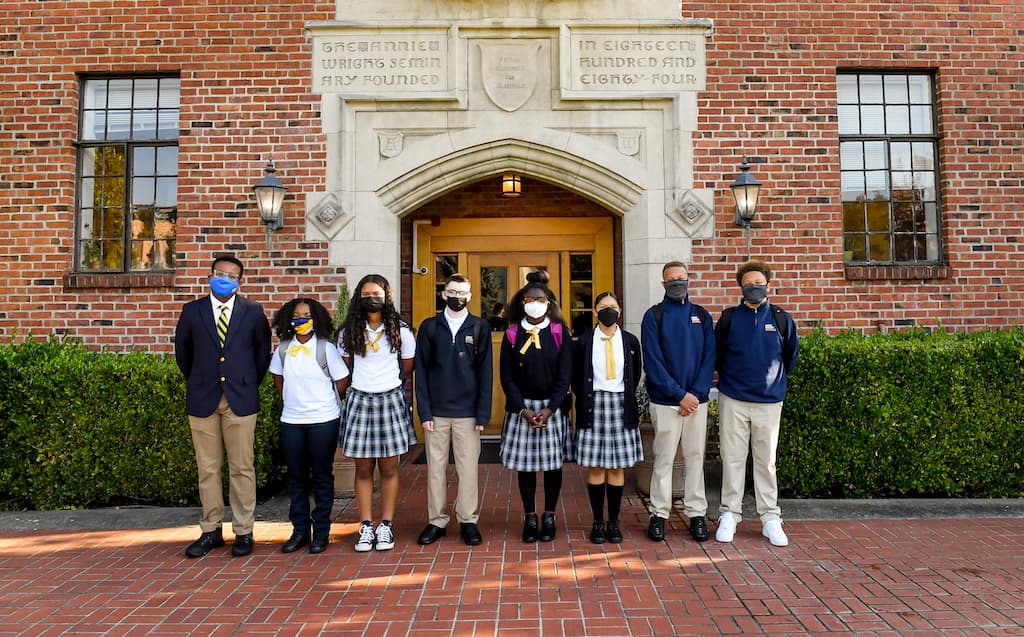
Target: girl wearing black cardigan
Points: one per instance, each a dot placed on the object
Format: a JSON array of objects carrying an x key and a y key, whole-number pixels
[
  {"x": 605, "y": 378},
  {"x": 536, "y": 368}
]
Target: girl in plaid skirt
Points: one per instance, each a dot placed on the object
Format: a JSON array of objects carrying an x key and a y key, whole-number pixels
[
  {"x": 376, "y": 426},
  {"x": 536, "y": 368},
  {"x": 606, "y": 371}
]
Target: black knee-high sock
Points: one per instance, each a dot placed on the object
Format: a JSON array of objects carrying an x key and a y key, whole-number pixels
[
  {"x": 596, "y": 492},
  {"x": 614, "y": 502},
  {"x": 552, "y": 488},
  {"x": 528, "y": 490}
]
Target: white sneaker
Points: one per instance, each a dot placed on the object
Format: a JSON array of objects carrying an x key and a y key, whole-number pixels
[
  {"x": 726, "y": 527},
  {"x": 772, "y": 529},
  {"x": 385, "y": 537},
  {"x": 366, "y": 539}
]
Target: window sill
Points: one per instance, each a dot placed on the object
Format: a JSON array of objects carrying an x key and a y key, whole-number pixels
[
  {"x": 81, "y": 280},
  {"x": 895, "y": 272}
]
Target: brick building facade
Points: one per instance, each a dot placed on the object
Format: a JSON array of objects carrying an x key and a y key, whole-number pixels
[{"x": 771, "y": 96}]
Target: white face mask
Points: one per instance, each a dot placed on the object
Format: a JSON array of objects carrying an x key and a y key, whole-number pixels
[{"x": 535, "y": 310}]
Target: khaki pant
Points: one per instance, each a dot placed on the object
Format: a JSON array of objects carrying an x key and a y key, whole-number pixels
[
  {"x": 670, "y": 430},
  {"x": 743, "y": 424},
  {"x": 461, "y": 436},
  {"x": 211, "y": 436}
]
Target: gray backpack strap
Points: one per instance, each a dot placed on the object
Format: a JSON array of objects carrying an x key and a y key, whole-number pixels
[
  {"x": 321, "y": 357},
  {"x": 321, "y": 354}
]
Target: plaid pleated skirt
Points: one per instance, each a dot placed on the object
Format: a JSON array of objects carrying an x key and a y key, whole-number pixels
[
  {"x": 526, "y": 449},
  {"x": 375, "y": 425},
  {"x": 608, "y": 444}
]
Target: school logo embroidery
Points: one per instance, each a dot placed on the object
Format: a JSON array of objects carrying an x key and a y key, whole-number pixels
[
  {"x": 695, "y": 319},
  {"x": 768, "y": 327}
]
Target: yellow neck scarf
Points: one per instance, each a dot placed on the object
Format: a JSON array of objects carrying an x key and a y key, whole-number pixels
[
  {"x": 373, "y": 345},
  {"x": 534, "y": 340}
]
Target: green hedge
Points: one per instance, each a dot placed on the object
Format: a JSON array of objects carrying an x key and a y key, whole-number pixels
[
  {"x": 80, "y": 428},
  {"x": 909, "y": 414}
]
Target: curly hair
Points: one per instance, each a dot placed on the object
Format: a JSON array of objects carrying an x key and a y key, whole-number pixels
[
  {"x": 321, "y": 319},
  {"x": 753, "y": 265},
  {"x": 534, "y": 281},
  {"x": 353, "y": 330}
]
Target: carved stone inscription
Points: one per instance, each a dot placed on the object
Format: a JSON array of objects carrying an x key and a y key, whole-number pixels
[
  {"x": 658, "y": 62},
  {"x": 381, "y": 62}
]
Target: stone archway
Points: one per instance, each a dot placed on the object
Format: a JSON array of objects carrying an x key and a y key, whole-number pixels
[{"x": 412, "y": 111}]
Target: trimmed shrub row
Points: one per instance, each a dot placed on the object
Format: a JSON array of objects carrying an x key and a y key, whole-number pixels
[
  {"x": 909, "y": 414},
  {"x": 81, "y": 429}
]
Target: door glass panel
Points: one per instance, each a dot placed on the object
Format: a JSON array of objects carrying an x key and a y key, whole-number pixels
[
  {"x": 445, "y": 265},
  {"x": 494, "y": 295},
  {"x": 581, "y": 282}
]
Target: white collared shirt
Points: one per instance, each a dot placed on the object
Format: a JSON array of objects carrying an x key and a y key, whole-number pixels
[
  {"x": 308, "y": 395},
  {"x": 455, "y": 319},
  {"x": 601, "y": 382},
  {"x": 377, "y": 372}
]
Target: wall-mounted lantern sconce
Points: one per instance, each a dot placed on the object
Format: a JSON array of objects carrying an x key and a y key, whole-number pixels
[
  {"x": 511, "y": 184},
  {"x": 745, "y": 191},
  {"x": 270, "y": 198}
]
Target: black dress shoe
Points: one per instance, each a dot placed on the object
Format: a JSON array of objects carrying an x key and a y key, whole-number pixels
[
  {"x": 612, "y": 532},
  {"x": 206, "y": 542},
  {"x": 295, "y": 542},
  {"x": 656, "y": 529},
  {"x": 432, "y": 534},
  {"x": 547, "y": 527},
  {"x": 699, "y": 529},
  {"x": 242, "y": 546},
  {"x": 597, "y": 533},
  {"x": 319, "y": 544},
  {"x": 530, "y": 530},
  {"x": 470, "y": 534}
]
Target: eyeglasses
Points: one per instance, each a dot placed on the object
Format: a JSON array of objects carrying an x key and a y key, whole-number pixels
[
  {"x": 535, "y": 299},
  {"x": 221, "y": 274},
  {"x": 457, "y": 294}
]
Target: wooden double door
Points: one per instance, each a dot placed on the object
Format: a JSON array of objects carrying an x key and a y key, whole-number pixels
[{"x": 497, "y": 254}]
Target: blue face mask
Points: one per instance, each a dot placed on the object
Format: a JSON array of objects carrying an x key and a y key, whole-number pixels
[{"x": 222, "y": 287}]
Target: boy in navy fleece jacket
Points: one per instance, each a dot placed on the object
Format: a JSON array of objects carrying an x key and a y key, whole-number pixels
[
  {"x": 757, "y": 348},
  {"x": 679, "y": 364}
]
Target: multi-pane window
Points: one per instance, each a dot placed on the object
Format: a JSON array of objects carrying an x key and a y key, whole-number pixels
[
  {"x": 888, "y": 159},
  {"x": 128, "y": 174}
]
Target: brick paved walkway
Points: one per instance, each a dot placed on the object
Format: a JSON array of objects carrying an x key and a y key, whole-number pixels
[{"x": 854, "y": 577}]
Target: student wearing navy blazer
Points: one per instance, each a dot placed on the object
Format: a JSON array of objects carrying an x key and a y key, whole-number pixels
[{"x": 222, "y": 399}]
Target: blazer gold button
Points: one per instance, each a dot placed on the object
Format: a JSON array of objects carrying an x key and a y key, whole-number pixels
[
  {"x": 222, "y": 379},
  {"x": 222, "y": 359}
]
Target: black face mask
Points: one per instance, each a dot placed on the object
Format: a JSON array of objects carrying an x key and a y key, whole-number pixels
[
  {"x": 676, "y": 290},
  {"x": 455, "y": 304},
  {"x": 371, "y": 303},
  {"x": 608, "y": 316}
]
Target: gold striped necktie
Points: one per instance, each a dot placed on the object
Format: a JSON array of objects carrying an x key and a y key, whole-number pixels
[{"x": 222, "y": 324}]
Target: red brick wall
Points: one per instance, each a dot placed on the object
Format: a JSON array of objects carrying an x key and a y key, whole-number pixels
[
  {"x": 245, "y": 95},
  {"x": 771, "y": 96}
]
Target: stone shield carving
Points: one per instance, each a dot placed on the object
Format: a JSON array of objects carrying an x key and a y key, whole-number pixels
[
  {"x": 390, "y": 143},
  {"x": 509, "y": 72}
]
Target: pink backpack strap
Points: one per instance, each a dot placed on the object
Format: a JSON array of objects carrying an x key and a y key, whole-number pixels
[
  {"x": 510, "y": 334},
  {"x": 556, "y": 333}
]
